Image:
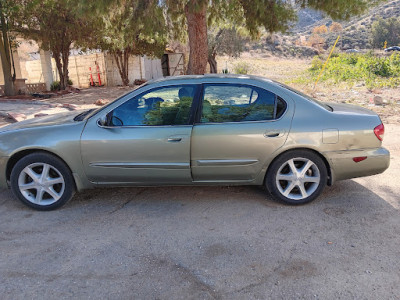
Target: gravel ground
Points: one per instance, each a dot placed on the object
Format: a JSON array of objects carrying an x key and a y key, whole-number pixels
[{"x": 208, "y": 243}]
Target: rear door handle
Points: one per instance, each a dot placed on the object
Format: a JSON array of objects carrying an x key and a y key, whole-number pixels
[{"x": 272, "y": 134}]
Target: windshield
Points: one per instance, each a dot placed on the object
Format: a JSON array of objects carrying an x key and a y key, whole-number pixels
[
  {"x": 82, "y": 115},
  {"x": 309, "y": 98}
]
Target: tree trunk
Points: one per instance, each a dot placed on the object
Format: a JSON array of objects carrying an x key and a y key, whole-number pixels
[
  {"x": 122, "y": 60},
  {"x": 65, "y": 61},
  {"x": 197, "y": 30},
  {"x": 61, "y": 57},
  {"x": 213, "y": 63},
  {"x": 57, "y": 59},
  {"x": 5, "y": 55}
]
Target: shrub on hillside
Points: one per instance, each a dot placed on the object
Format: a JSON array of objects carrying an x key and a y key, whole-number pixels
[
  {"x": 242, "y": 68},
  {"x": 373, "y": 71}
]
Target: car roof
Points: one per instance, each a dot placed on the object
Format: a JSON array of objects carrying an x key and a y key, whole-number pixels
[{"x": 211, "y": 76}]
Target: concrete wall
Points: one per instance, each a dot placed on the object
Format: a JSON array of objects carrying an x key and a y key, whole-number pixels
[
  {"x": 135, "y": 70},
  {"x": 79, "y": 69}
]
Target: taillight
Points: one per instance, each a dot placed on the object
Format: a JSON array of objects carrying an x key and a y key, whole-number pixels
[{"x": 379, "y": 131}]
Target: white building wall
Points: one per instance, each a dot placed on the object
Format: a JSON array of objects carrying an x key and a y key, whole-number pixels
[{"x": 80, "y": 65}]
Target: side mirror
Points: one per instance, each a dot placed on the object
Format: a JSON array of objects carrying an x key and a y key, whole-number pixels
[{"x": 102, "y": 122}]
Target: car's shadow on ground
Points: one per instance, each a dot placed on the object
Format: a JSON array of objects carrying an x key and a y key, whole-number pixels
[{"x": 111, "y": 200}]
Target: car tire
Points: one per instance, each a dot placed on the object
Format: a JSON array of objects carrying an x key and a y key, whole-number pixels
[
  {"x": 296, "y": 177},
  {"x": 42, "y": 181}
]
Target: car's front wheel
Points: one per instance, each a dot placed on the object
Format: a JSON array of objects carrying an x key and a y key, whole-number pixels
[
  {"x": 42, "y": 181},
  {"x": 296, "y": 177}
]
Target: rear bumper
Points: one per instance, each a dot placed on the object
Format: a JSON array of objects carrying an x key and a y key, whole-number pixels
[
  {"x": 343, "y": 166},
  {"x": 3, "y": 165}
]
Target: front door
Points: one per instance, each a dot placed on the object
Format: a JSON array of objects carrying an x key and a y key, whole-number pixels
[
  {"x": 145, "y": 140},
  {"x": 241, "y": 126}
]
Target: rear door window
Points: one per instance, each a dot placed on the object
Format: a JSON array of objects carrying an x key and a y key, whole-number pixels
[{"x": 239, "y": 103}]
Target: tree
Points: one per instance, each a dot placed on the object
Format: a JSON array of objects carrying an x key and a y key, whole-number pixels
[
  {"x": 55, "y": 25},
  {"x": 130, "y": 28},
  {"x": 6, "y": 8},
  {"x": 273, "y": 15},
  {"x": 385, "y": 30},
  {"x": 224, "y": 41}
]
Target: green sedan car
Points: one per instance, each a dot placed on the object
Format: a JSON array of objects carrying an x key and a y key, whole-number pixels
[{"x": 194, "y": 130}]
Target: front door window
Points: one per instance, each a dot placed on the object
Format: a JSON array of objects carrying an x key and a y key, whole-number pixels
[{"x": 162, "y": 106}]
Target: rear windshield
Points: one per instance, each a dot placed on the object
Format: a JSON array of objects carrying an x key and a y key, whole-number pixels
[{"x": 309, "y": 98}]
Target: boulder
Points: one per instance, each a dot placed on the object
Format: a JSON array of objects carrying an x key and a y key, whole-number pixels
[{"x": 378, "y": 100}]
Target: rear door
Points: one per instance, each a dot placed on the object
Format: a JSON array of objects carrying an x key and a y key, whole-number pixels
[{"x": 239, "y": 128}]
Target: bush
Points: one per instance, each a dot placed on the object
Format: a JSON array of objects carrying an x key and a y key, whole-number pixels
[
  {"x": 316, "y": 63},
  {"x": 380, "y": 67},
  {"x": 373, "y": 71},
  {"x": 55, "y": 86},
  {"x": 242, "y": 68}
]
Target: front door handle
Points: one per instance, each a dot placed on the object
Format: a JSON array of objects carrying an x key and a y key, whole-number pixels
[
  {"x": 174, "y": 139},
  {"x": 274, "y": 133}
]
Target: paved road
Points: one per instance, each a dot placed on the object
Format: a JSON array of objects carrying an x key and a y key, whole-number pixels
[{"x": 208, "y": 243}]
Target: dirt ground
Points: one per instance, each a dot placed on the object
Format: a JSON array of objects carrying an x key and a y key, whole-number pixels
[
  {"x": 206, "y": 242},
  {"x": 84, "y": 99}
]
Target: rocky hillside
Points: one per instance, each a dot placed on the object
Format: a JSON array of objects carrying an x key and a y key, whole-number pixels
[{"x": 355, "y": 33}]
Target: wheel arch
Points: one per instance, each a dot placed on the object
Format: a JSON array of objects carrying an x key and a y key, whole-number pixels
[
  {"x": 324, "y": 159},
  {"x": 21, "y": 154}
]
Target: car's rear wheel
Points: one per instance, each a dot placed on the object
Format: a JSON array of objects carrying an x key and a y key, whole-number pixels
[
  {"x": 296, "y": 177},
  {"x": 42, "y": 181}
]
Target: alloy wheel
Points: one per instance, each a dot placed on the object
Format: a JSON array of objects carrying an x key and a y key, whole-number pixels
[
  {"x": 298, "y": 178},
  {"x": 41, "y": 184}
]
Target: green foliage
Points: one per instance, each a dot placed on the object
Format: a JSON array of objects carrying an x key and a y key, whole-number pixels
[
  {"x": 133, "y": 28},
  {"x": 316, "y": 63},
  {"x": 225, "y": 41},
  {"x": 137, "y": 26},
  {"x": 385, "y": 30},
  {"x": 374, "y": 71},
  {"x": 55, "y": 25},
  {"x": 56, "y": 86},
  {"x": 242, "y": 68}
]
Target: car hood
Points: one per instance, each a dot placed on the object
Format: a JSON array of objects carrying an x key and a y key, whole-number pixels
[
  {"x": 350, "y": 109},
  {"x": 51, "y": 120}
]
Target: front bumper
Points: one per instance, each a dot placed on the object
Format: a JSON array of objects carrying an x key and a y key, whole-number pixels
[
  {"x": 343, "y": 166},
  {"x": 3, "y": 165}
]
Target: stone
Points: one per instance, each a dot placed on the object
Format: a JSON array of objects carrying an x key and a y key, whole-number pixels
[
  {"x": 378, "y": 100},
  {"x": 70, "y": 106},
  {"x": 17, "y": 117},
  {"x": 40, "y": 115},
  {"x": 101, "y": 102}
]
